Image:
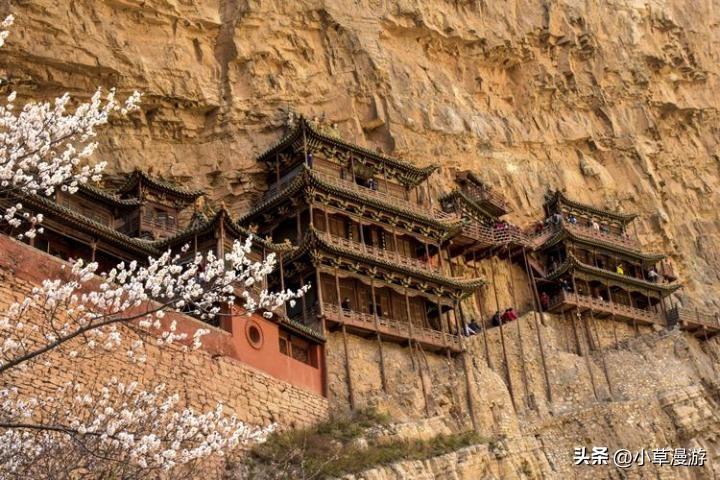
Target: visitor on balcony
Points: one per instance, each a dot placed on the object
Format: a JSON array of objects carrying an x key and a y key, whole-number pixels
[
  {"x": 372, "y": 184},
  {"x": 619, "y": 269},
  {"x": 652, "y": 275},
  {"x": 309, "y": 158},
  {"x": 539, "y": 227},
  {"x": 595, "y": 225},
  {"x": 572, "y": 219},
  {"x": 556, "y": 218},
  {"x": 474, "y": 326},
  {"x": 544, "y": 301},
  {"x": 496, "y": 319},
  {"x": 345, "y": 304},
  {"x": 565, "y": 285}
]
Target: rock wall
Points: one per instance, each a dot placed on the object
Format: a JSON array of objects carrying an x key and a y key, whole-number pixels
[
  {"x": 611, "y": 385},
  {"x": 614, "y": 101}
]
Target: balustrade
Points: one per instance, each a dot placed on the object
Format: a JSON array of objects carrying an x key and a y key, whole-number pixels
[
  {"x": 378, "y": 252},
  {"x": 600, "y": 305},
  {"x": 391, "y": 327}
]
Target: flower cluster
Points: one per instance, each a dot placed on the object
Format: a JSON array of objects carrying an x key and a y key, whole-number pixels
[
  {"x": 43, "y": 145},
  {"x": 118, "y": 426},
  {"x": 136, "y": 296}
]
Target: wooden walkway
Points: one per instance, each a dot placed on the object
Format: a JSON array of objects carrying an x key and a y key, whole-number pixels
[
  {"x": 566, "y": 301},
  {"x": 391, "y": 330},
  {"x": 700, "y": 323}
]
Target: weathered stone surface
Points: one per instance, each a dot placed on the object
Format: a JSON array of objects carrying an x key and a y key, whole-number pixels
[{"x": 614, "y": 101}]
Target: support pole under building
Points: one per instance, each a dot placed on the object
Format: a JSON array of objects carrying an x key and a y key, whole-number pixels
[
  {"x": 468, "y": 381},
  {"x": 602, "y": 354},
  {"x": 582, "y": 352},
  {"x": 482, "y": 320},
  {"x": 383, "y": 377},
  {"x": 348, "y": 368},
  {"x": 508, "y": 378},
  {"x": 521, "y": 347},
  {"x": 538, "y": 308},
  {"x": 321, "y": 315}
]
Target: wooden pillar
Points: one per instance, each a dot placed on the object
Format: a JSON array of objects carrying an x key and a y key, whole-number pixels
[
  {"x": 277, "y": 168},
  {"x": 602, "y": 354},
  {"x": 383, "y": 376},
  {"x": 538, "y": 307},
  {"x": 483, "y": 327},
  {"x": 303, "y": 302},
  {"x": 407, "y": 311},
  {"x": 352, "y": 168},
  {"x": 502, "y": 342},
  {"x": 348, "y": 368},
  {"x": 521, "y": 347},
  {"x": 298, "y": 230},
  {"x": 321, "y": 311},
  {"x": 305, "y": 150},
  {"x": 387, "y": 190},
  {"x": 93, "y": 246}
]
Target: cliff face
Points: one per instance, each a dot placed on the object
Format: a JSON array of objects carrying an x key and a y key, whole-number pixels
[{"x": 614, "y": 101}]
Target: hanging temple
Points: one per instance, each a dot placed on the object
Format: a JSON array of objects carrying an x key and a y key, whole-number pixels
[{"x": 385, "y": 259}]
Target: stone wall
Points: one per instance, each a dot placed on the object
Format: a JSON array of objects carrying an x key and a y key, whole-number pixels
[{"x": 202, "y": 378}]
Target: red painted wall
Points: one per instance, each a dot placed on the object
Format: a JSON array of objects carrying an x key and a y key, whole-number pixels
[{"x": 34, "y": 266}]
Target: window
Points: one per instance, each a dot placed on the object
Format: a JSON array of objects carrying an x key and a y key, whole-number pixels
[{"x": 297, "y": 348}]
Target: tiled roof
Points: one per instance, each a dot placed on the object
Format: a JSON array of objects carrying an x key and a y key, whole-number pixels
[
  {"x": 106, "y": 196},
  {"x": 315, "y": 240},
  {"x": 308, "y": 178},
  {"x": 559, "y": 197},
  {"x": 311, "y": 133},
  {"x": 164, "y": 186},
  {"x": 571, "y": 262}
]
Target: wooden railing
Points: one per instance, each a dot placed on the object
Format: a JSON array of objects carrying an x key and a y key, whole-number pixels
[
  {"x": 508, "y": 234},
  {"x": 593, "y": 234},
  {"x": 600, "y": 305},
  {"x": 382, "y": 253},
  {"x": 391, "y": 327},
  {"x": 424, "y": 210},
  {"x": 486, "y": 195},
  {"x": 694, "y": 316},
  {"x": 278, "y": 187}
]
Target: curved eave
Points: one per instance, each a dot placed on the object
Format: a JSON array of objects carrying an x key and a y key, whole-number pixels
[
  {"x": 307, "y": 178},
  {"x": 565, "y": 233},
  {"x": 414, "y": 174},
  {"x": 469, "y": 203},
  {"x": 313, "y": 240},
  {"x": 111, "y": 199},
  {"x": 212, "y": 224},
  {"x": 571, "y": 263},
  {"x": 299, "y": 328},
  {"x": 91, "y": 227},
  {"x": 559, "y": 197},
  {"x": 165, "y": 187}
]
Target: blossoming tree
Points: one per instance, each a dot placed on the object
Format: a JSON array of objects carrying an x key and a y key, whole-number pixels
[{"x": 117, "y": 430}]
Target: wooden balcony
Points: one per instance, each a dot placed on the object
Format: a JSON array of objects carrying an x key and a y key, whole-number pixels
[
  {"x": 381, "y": 253},
  {"x": 565, "y": 301},
  {"x": 385, "y": 197},
  {"x": 492, "y": 236},
  {"x": 392, "y": 330},
  {"x": 590, "y": 233},
  {"x": 699, "y": 323},
  {"x": 485, "y": 196}
]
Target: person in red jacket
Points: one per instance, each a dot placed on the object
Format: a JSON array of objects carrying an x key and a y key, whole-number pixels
[{"x": 509, "y": 315}]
